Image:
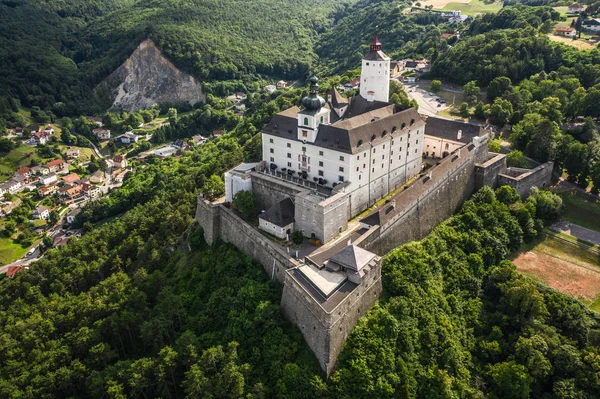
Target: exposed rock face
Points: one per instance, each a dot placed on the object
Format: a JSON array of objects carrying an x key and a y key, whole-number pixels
[{"x": 148, "y": 78}]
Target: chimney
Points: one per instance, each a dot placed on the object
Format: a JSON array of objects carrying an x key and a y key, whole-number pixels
[{"x": 349, "y": 242}]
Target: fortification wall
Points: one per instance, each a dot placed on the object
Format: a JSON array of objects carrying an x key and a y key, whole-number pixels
[
  {"x": 486, "y": 174},
  {"x": 325, "y": 218},
  {"x": 221, "y": 222},
  {"x": 538, "y": 177},
  {"x": 269, "y": 190}
]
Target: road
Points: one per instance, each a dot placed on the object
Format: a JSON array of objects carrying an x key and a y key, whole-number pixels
[
  {"x": 591, "y": 236},
  {"x": 427, "y": 101}
]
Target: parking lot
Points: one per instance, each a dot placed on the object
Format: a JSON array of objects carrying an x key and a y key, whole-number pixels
[{"x": 429, "y": 103}]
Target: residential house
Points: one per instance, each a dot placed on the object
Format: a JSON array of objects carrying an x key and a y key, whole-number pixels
[
  {"x": 58, "y": 166},
  {"x": 240, "y": 96},
  {"x": 72, "y": 214},
  {"x": 591, "y": 24},
  {"x": 270, "y": 89},
  {"x": 23, "y": 172},
  {"x": 103, "y": 134},
  {"x": 445, "y": 36},
  {"x": 97, "y": 177},
  {"x": 48, "y": 179},
  {"x": 48, "y": 130},
  {"x": 352, "y": 84},
  {"x": 47, "y": 191},
  {"x": 40, "y": 138},
  {"x": 11, "y": 186},
  {"x": 198, "y": 139},
  {"x": 12, "y": 270},
  {"x": 165, "y": 152},
  {"x": 60, "y": 241},
  {"x": 96, "y": 120},
  {"x": 575, "y": 8},
  {"x": 40, "y": 170},
  {"x": 423, "y": 67},
  {"x": 394, "y": 69},
  {"x": 217, "y": 133},
  {"x": 119, "y": 161},
  {"x": 128, "y": 138},
  {"x": 69, "y": 193},
  {"x": 73, "y": 153},
  {"x": 7, "y": 207},
  {"x": 33, "y": 128},
  {"x": 41, "y": 212},
  {"x": 410, "y": 65},
  {"x": 19, "y": 131},
  {"x": 566, "y": 31},
  {"x": 91, "y": 190},
  {"x": 71, "y": 179}
]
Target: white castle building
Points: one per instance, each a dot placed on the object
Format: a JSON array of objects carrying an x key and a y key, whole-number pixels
[{"x": 366, "y": 144}]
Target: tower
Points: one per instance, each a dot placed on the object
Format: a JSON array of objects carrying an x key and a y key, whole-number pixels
[
  {"x": 375, "y": 73},
  {"x": 313, "y": 113}
]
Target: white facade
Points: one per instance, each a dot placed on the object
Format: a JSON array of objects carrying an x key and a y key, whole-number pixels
[
  {"x": 375, "y": 80},
  {"x": 277, "y": 231},
  {"x": 235, "y": 182},
  {"x": 437, "y": 147},
  {"x": 48, "y": 179}
]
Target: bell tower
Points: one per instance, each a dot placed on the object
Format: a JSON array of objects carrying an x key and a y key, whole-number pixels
[{"x": 375, "y": 73}]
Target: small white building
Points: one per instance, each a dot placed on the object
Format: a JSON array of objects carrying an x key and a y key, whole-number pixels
[
  {"x": 165, "y": 152},
  {"x": 270, "y": 89},
  {"x": 575, "y": 8},
  {"x": 41, "y": 212},
  {"x": 278, "y": 220},
  {"x": 128, "y": 137},
  {"x": 591, "y": 24},
  {"x": 48, "y": 179},
  {"x": 73, "y": 153},
  {"x": 103, "y": 134},
  {"x": 72, "y": 214}
]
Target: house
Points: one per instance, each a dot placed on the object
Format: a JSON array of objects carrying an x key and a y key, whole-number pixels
[
  {"x": 281, "y": 84},
  {"x": 410, "y": 65},
  {"x": 48, "y": 179},
  {"x": 119, "y": 175},
  {"x": 58, "y": 166},
  {"x": 445, "y": 36},
  {"x": 48, "y": 190},
  {"x": 71, "y": 179},
  {"x": 278, "y": 220},
  {"x": 23, "y": 172},
  {"x": 217, "y": 133},
  {"x": 48, "y": 130},
  {"x": 7, "y": 207},
  {"x": 12, "y": 270},
  {"x": 591, "y": 24},
  {"x": 103, "y": 134},
  {"x": 11, "y": 186},
  {"x": 73, "y": 153},
  {"x": 127, "y": 138},
  {"x": 575, "y": 8},
  {"x": 40, "y": 170},
  {"x": 40, "y": 138},
  {"x": 240, "y": 96},
  {"x": 41, "y": 212},
  {"x": 71, "y": 192},
  {"x": 423, "y": 67},
  {"x": 60, "y": 241},
  {"x": 444, "y": 136},
  {"x": 71, "y": 215},
  {"x": 19, "y": 131},
  {"x": 198, "y": 139},
  {"x": 394, "y": 69},
  {"x": 270, "y": 89},
  {"x": 97, "y": 177},
  {"x": 119, "y": 161},
  {"x": 91, "y": 190},
  {"x": 96, "y": 120},
  {"x": 33, "y": 128},
  {"x": 165, "y": 152},
  {"x": 566, "y": 31},
  {"x": 352, "y": 84}
]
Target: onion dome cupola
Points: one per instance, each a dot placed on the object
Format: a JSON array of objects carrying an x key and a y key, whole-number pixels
[{"x": 313, "y": 101}]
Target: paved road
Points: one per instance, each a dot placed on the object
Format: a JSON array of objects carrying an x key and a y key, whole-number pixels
[
  {"x": 576, "y": 231},
  {"x": 427, "y": 101}
]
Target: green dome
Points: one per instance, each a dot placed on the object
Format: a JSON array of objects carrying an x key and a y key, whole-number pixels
[{"x": 313, "y": 101}]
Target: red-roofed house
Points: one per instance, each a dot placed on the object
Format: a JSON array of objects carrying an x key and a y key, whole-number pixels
[
  {"x": 446, "y": 35},
  {"x": 217, "y": 133},
  {"x": 57, "y": 166},
  {"x": 565, "y": 31},
  {"x": 575, "y": 8},
  {"x": 72, "y": 178},
  {"x": 119, "y": 161},
  {"x": 12, "y": 270},
  {"x": 24, "y": 172}
]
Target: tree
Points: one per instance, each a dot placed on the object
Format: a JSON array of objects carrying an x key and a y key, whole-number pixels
[
  {"x": 498, "y": 87},
  {"x": 245, "y": 202},
  {"x": 297, "y": 237},
  {"x": 481, "y": 110},
  {"x": 501, "y": 112},
  {"x": 516, "y": 159},
  {"x": 542, "y": 145},
  {"x": 6, "y": 145},
  {"x": 54, "y": 216},
  {"x": 464, "y": 110},
  {"x": 576, "y": 162},
  {"x": 509, "y": 380},
  {"x": 172, "y": 116},
  {"x": 471, "y": 91},
  {"x": 435, "y": 85},
  {"x": 213, "y": 188}
]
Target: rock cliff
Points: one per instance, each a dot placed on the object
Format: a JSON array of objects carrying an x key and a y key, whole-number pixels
[{"x": 148, "y": 78}]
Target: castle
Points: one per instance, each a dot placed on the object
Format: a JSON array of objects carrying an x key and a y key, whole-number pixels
[{"x": 324, "y": 164}]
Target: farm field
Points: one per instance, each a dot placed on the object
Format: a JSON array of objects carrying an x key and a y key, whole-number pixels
[
  {"x": 564, "y": 266},
  {"x": 579, "y": 43},
  {"x": 473, "y": 7},
  {"x": 437, "y": 4}
]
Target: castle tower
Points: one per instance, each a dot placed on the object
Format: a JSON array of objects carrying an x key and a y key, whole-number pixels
[
  {"x": 375, "y": 73},
  {"x": 313, "y": 113}
]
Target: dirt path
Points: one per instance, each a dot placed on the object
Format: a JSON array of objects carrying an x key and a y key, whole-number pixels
[{"x": 576, "y": 231}]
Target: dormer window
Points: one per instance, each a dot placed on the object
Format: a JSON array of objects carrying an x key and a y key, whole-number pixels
[
  {"x": 393, "y": 129},
  {"x": 403, "y": 126},
  {"x": 383, "y": 133},
  {"x": 412, "y": 122},
  {"x": 373, "y": 137},
  {"x": 360, "y": 142}
]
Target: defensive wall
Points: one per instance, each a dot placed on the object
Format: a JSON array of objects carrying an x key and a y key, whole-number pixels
[
  {"x": 523, "y": 179},
  {"x": 221, "y": 222}
]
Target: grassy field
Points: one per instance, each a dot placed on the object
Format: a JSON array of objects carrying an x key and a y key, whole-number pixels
[
  {"x": 563, "y": 266},
  {"x": 581, "y": 209},
  {"x": 474, "y": 7},
  {"x": 580, "y": 44},
  {"x": 20, "y": 156},
  {"x": 9, "y": 251},
  {"x": 85, "y": 153}
]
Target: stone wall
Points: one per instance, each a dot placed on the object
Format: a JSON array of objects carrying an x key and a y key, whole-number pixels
[
  {"x": 540, "y": 177},
  {"x": 325, "y": 218},
  {"x": 221, "y": 222},
  {"x": 325, "y": 332},
  {"x": 270, "y": 190},
  {"x": 486, "y": 174}
]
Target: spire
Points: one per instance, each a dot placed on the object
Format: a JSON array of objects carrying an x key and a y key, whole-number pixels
[
  {"x": 375, "y": 44},
  {"x": 313, "y": 101}
]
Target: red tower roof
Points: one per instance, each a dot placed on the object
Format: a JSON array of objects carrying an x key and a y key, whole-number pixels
[{"x": 375, "y": 44}]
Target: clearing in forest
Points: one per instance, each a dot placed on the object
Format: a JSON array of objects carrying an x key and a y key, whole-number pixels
[
  {"x": 579, "y": 43},
  {"x": 471, "y": 8},
  {"x": 564, "y": 266}
]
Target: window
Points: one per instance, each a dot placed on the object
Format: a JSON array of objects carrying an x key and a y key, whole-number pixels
[
  {"x": 321, "y": 118},
  {"x": 447, "y": 145},
  {"x": 382, "y": 166},
  {"x": 417, "y": 142},
  {"x": 271, "y": 141},
  {"x": 392, "y": 142},
  {"x": 341, "y": 157},
  {"x": 412, "y": 122},
  {"x": 364, "y": 165},
  {"x": 289, "y": 164},
  {"x": 289, "y": 145},
  {"x": 359, "y": 177},
  {"x": 367, "y": 64},
  {"x": 392, "y": 153},
  {"x": 320, "y": 163},
  {"x": 305, "y": 121},
  {"x": 383, "y": 156},
  {"x": 304, "y": 133},
  {"x": 321, "y": 153},
  {"x": 374, "y": 150},
  {"x": 393, "y": 129},
  {"x": 303, "y": 149},
  {"x": 357, "y": 168},
  {"x": 373, "y": 170},
  {"x": 384, "y": 146},
  {"x": 358, "y": 157},
  {"x": 289, "y": 155},
  {"x": 359, "y": 143},
  {"x": 399, "y": 157},
  {"x": 272, "y": 151},
  {"x": 340, "y": 178},
  {"x": 416, "y": 150},
  {"x": 341, "y": 169},
  {"x": 320, "y": 173},
  {"x": 373, "y": 162},
  {"x": 272, "y": 159}
]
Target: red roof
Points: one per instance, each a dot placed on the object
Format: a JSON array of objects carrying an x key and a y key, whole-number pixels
[
  {"x": 217, "y": 132},
  {"x": 12, "y": 270},
  {"x": 73, "y": 177},
  {"x": 56, "y": 162},
  {"x": 446, "y": 35},
  {"x": 118, "y": 158},
  {"x": 24, "y": 170},
  {"x": 564, "y": 29}
]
